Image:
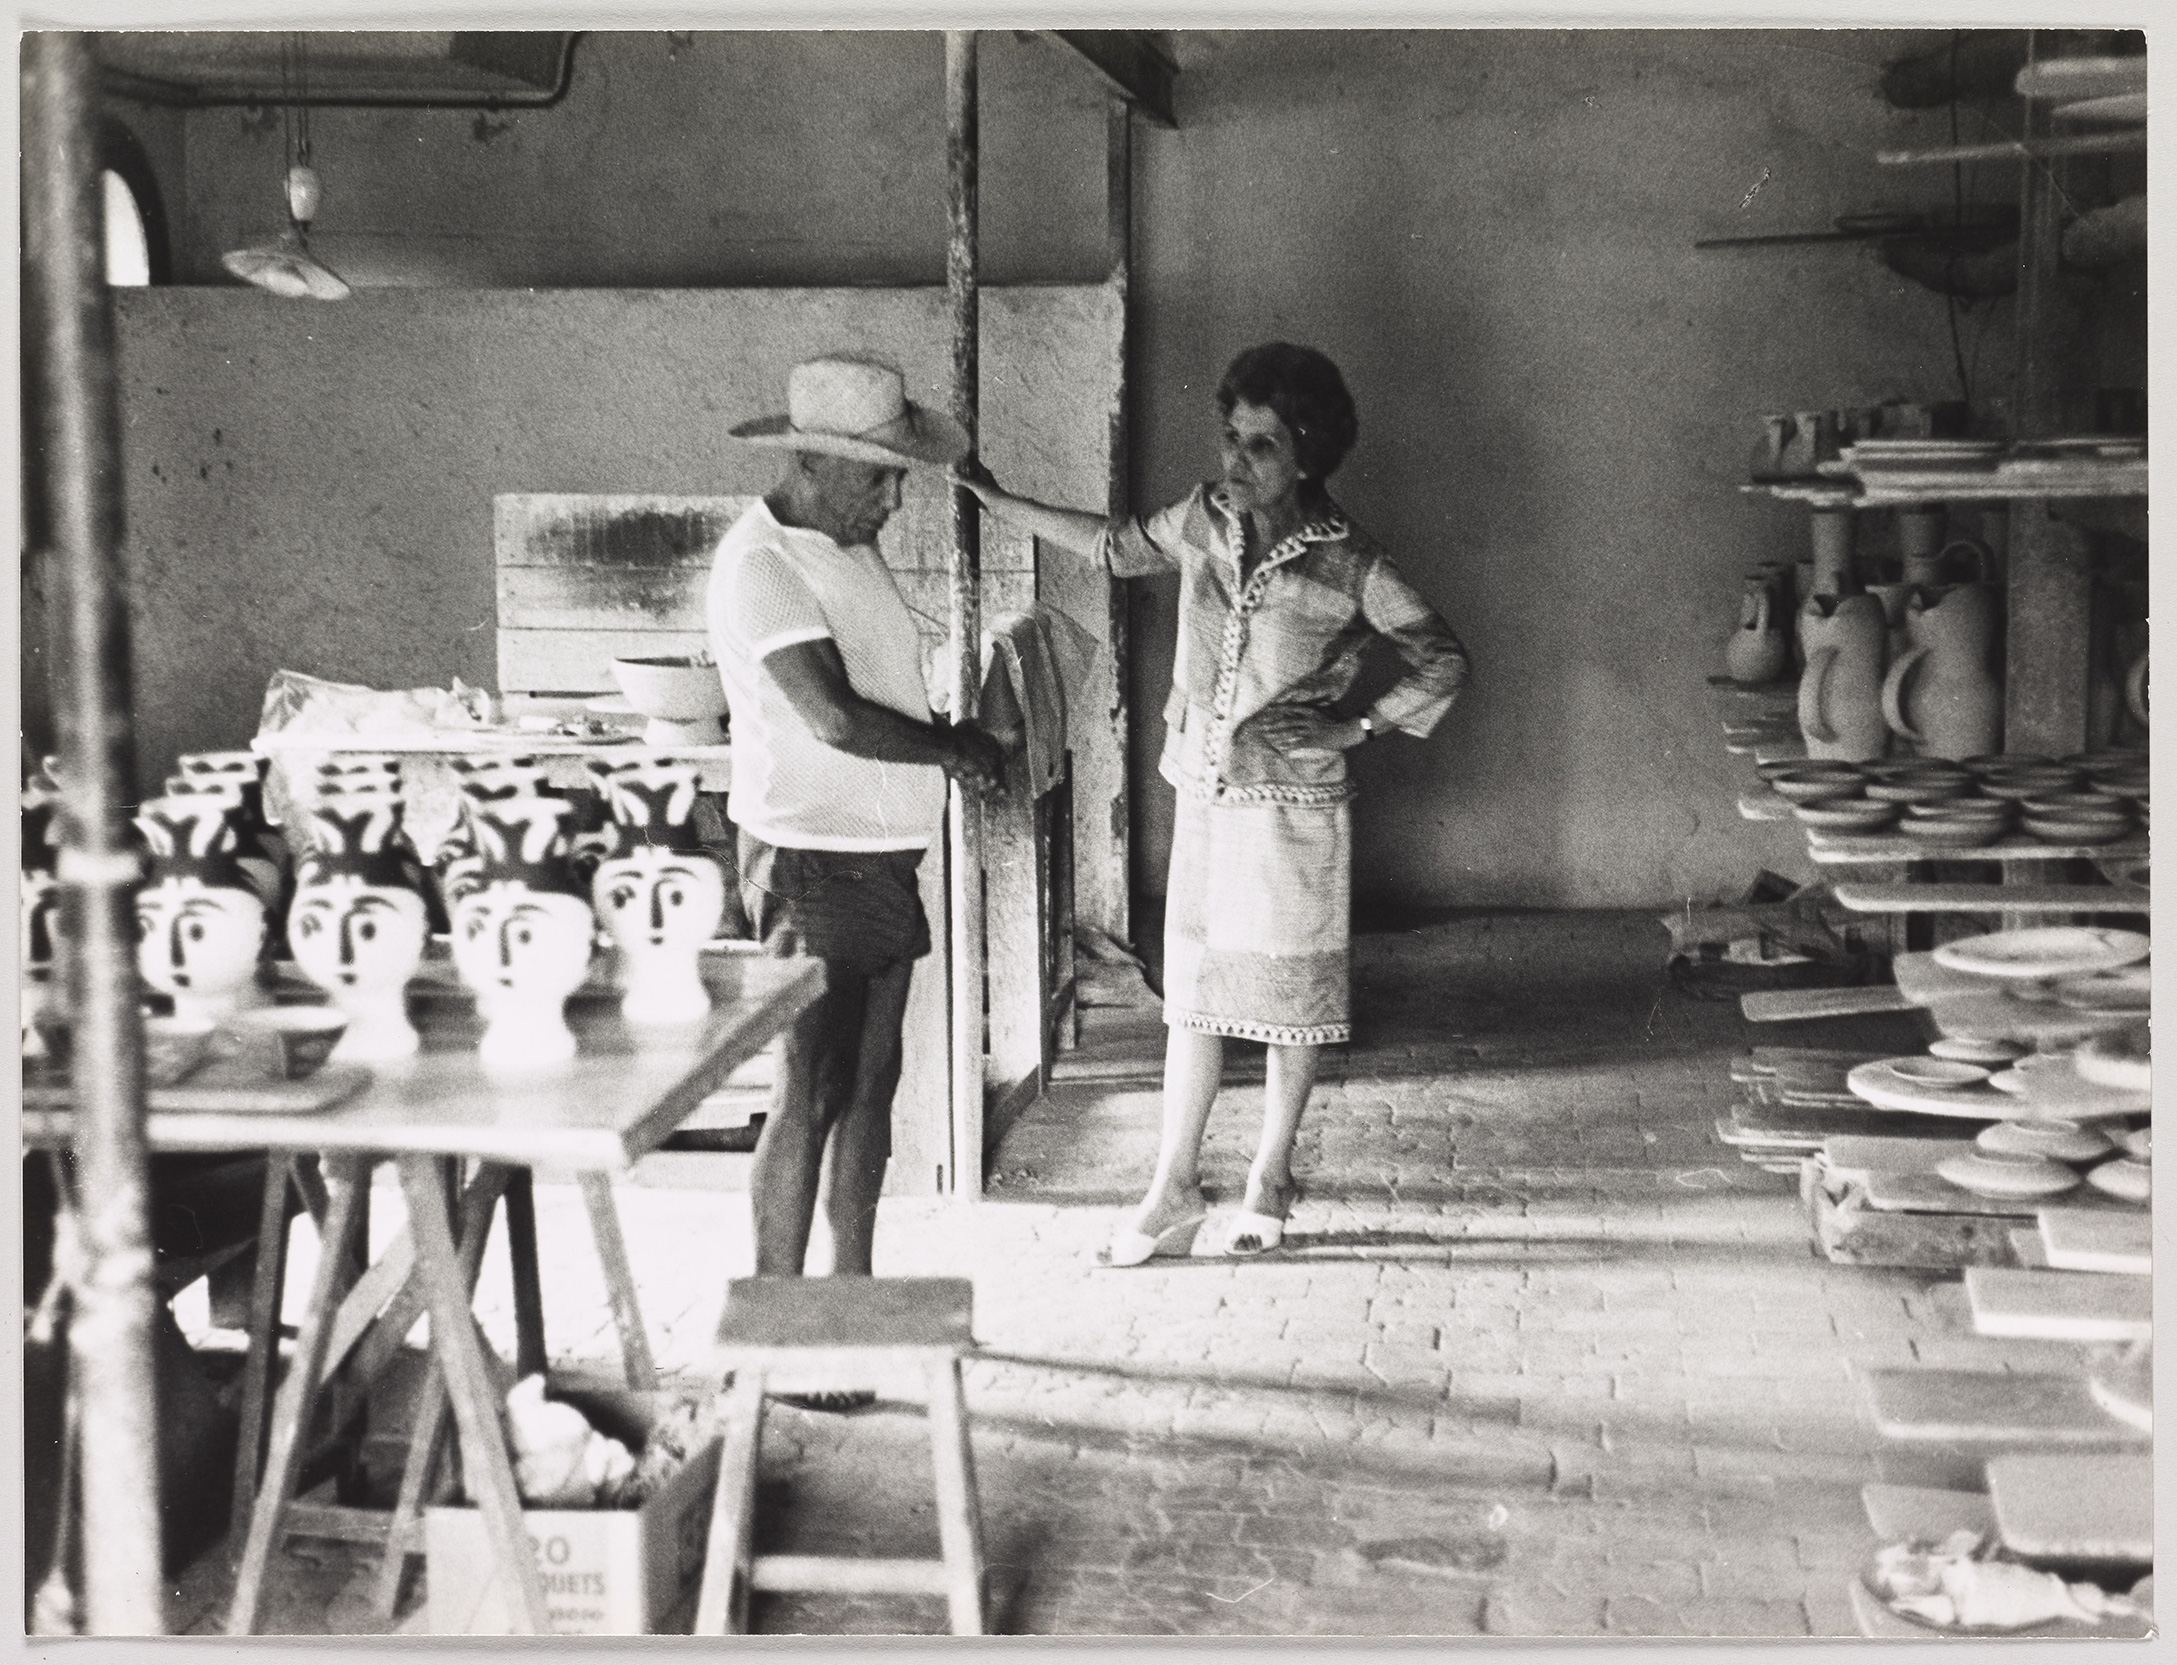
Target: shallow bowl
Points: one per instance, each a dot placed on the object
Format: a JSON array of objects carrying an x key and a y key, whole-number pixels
[
  {"x": 2078, "y": 828},
  {"x": 675, "y": 689},
  {"x": 284, "y": 1042},
  {"x": 1919, "y": 789},
  {"x": 2063, "y": 803},
  {"x": 1955, "y": 835},
  {"x": 173, "y": 1046},
  {"x": 2018, "y": 788},
  {"x": 1847, "y": 815}
]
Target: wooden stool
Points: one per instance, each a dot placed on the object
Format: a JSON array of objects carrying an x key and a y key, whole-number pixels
[{"x": 900, "y": 1337}]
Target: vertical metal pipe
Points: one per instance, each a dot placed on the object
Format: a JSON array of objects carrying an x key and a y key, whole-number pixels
[
  {"x": 962, "y": 140},
  {"x": 74, "y": 429}
]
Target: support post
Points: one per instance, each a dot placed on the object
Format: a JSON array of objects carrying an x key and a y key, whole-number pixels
[
  {"x": 1119, "y": 246},
  {"x": 75, "y": 481},
  {"x": 2049, "y": 616},
  {"x": 966, "y": 617}
]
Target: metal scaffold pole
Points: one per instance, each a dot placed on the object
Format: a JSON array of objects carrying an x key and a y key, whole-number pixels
[
  {"x": 966, "y": 881},
  {"x": 72, "y": 421}
]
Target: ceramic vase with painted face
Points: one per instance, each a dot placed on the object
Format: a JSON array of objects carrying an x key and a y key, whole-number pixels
[
  {"x": 37, "y": 917},
  {"x": 200, "y": 924},
  {"x": 658, "y": 893},
  {"x": 522, "y": 930},
  {"x": 357, "y": 925}
]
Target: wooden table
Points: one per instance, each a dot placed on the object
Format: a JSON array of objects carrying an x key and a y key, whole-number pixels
[{"x": 624, "y": 1091}]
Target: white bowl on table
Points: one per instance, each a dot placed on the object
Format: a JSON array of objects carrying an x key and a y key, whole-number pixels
[{"x": 684, "y": 700}]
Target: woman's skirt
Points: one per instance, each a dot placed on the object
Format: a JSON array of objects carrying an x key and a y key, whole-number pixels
[{"x": 1257, "y": 926}]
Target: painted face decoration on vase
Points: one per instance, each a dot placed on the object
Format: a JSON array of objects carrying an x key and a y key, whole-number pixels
[
  {"x": 37, "y": 915},
  {"x": 199, "y": 923},
  {"x": 357, "y": 926},
  {"x": 658, "y": 893},
  {"x": 522, "y": 930}
]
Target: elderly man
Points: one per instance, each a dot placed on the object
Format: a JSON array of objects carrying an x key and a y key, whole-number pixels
[{"x": 838, "y": 781}]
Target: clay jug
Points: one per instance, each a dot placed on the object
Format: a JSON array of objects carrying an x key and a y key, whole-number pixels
[
  {"x": 1944, "y": 694},
  {"x": 1834, "y": 573},
  {"x": 1840, "y": 696},
  {"x": 1758, "y": 650}
]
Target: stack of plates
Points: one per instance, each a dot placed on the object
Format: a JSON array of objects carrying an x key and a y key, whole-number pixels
[
  {"x": 2045, "y": 951},
  {"x": 2058, "y": 1140},
  {"x": 1988, "y": 1174},
  {"x": 2126, "y": 1178}
]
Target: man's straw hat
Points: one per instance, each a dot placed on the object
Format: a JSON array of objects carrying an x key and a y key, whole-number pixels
[{"x": 847, "y": 407}]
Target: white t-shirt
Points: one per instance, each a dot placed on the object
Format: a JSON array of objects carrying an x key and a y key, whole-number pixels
[{"x": 772, "y": 586}]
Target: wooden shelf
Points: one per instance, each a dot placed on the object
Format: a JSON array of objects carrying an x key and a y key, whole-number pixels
[
  {"x": 2051, "y": 899},
  {"x": 2059, "y": 1306},
  {"x": 1984, "y": 1407},
  {"x": 1833, "y": 849},
  {"x": 2091, "y": 1240},
  {"x": 1818, "y": 494}
]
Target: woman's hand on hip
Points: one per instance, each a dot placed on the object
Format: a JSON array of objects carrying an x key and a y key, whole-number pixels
[{"x": 1301, "y": 728}]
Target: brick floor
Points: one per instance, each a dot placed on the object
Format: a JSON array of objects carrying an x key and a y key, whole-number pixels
[{"x": 1540, "y": 1358}]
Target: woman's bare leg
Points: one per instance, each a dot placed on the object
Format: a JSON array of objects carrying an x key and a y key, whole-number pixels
[
  {"x": 1289, "y": 1078},
  {"x": 1194, "y": 1065}
]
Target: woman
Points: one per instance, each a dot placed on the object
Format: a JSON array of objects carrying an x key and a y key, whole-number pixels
[{"x": 1279, "y": 595}]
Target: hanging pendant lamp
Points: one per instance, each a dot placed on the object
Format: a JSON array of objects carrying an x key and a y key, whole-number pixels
[{"x": 286, "y": 266}]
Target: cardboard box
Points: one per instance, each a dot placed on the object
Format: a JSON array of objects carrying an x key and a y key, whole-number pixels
[{"x": 606, "y": 1572}]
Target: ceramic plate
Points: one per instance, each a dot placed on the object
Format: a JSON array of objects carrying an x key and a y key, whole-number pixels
[
  {"x": 2045, "y": 951},
  {"x": 1986, "y": 1175},
  {"x": 2126, "y": 1177},
  {"x": 1880, "y": 1086},
  {"x": 2121, "y": 1060},
  {"x": 1949, "y": 1073},
  {"x": 2059, "y": 1141},
  {"x": 2107, "y": 991},
  {"x": 2049, "y": 1084},
  {"x": 2136, "y": 1141},
  {"x": 1972, "y": 1049}
]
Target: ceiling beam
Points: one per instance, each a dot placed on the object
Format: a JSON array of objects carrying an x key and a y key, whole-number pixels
[{"x": 1131, "y": 65}]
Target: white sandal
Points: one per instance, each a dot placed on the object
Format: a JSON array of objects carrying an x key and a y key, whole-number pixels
[
  {"x": 1134, "y": 1248},
  {"x": 1251, "y": 1233}
]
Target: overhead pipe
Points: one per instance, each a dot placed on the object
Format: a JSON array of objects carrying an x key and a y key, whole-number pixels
[
  {"x": 74, "y": 427},
  {"x": 149, "y": 89},
  {"x": 965, "y": 614}
]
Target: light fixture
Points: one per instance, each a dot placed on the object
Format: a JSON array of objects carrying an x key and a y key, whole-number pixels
[{"x": 286, "y": 266}]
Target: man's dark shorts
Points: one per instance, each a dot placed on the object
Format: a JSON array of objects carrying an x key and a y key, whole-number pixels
[{"x": 859, "y": 910}]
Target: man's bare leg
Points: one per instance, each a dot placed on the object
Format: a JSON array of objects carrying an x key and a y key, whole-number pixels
[
  {"x": 861, "y": 1141},
  {"x": 815, "y": 1082}
]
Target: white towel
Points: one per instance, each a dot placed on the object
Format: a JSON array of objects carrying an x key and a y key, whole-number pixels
[{"x": 1018, "y": 647}]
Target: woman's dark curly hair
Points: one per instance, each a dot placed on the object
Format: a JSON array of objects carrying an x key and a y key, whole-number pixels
[{"x": 1309, "y": 396}]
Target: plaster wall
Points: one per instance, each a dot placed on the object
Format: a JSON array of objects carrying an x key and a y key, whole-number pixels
[
  {"x": 808, "y": 158},
  {"x": 1491, "y": 231}
]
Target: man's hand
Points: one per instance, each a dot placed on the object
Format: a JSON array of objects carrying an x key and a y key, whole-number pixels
[
  {"x": 977, "y": 762},
  {"x": 1302, "y": 728}
]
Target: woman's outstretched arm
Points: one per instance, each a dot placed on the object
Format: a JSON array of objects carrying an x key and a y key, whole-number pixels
[{"x": 1070, "y": 529}]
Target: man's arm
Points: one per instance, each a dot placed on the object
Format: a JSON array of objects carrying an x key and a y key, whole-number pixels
[{"x": 814, "y": 680}]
